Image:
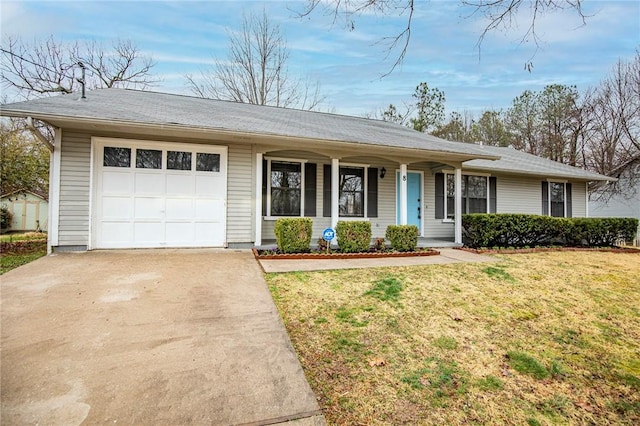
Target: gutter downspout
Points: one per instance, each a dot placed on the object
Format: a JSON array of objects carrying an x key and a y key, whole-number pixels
[{"x": 39, "y": 135}]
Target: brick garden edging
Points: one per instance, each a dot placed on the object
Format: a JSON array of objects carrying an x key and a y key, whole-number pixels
[
  {"x": 305, "y": 256},
  {"x": 546, "y": 249}
]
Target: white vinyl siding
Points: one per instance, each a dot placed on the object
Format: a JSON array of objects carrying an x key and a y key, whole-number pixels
[
  {"x": 240, "y": 194},
  {"x": 518, "y": 195},
  {"x": 578, "y": 199},
  {"x": 73, "y": 228}
]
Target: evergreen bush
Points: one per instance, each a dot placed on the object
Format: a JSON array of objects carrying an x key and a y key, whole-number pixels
[
  {"x": 293, "y": 235},
  {"x": 353, "y": 236},
  {"x": 523, "y": 230},
  {"x": 402, "y": 237}
]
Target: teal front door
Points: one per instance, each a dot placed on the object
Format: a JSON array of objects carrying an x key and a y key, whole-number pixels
[{"x": 414, "y": 199}]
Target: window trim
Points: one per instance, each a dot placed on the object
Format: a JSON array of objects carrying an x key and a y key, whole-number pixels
[
  {"x": 564, "y": 196},
  {"x": 447, "y": 173},
  {"x": 302, "y": 162},
  {"x": 365, "y": 190}
]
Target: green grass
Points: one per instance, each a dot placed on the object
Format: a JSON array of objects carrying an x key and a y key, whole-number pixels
[
  {"x": 445, "y": 342},
  {"x": 386, "y": 289},
  {"x": 539, "y": 339},
  {"x": 9, "y": 262},
  {"x": 499, "y": 274},
  {"x": 526, "y": 364}
]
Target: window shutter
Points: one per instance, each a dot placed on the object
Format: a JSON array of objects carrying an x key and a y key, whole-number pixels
[
  {"x": 567, "y": 200},
  {"x": 310, "y": 189},
  {"x": 545, "y": 198},
  {"x": 264, "y": 187},
  {"x": 439, "y": 196},
  {"x": 372, "y": 192},
  {"x": 326, "y": 191},
  {"x": 493, "y": 198}
]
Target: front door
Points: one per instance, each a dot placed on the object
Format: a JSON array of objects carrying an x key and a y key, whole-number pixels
[{"x": 414, "y": 199}]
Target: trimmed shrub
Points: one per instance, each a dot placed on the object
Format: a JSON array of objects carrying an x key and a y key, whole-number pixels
[
  {"x": 353, "y": 236},
  {"x": 521, "y": 230},
  {"x": 402, "y": 237},
  {"x": 293, "y": 235},
  {"x": 601, "y": 232}
]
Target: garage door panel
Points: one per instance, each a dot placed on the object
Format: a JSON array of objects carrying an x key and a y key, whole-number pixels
[
  {"x": 144, "y": 208},
  {"x": 180, "y": 233},
  {"x": 149, "y": 183},
  {"x": 180, "y": 185},
  {"x": 209, "y": 185},
  {"x": 179, "y": 208},
  {"x": 148, "y": 208},
  {"x": 116, "y": 233},
  {"x": 117, "y": 182},
  {"x": 209, "y": 233},
  {"x": 210, "y": 209},
  {"x": 148, "y": 232},
  {"x": 117, "y": 207}
]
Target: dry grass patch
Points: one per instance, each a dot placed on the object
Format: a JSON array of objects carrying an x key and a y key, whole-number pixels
[{"x": 534, "y": 339}]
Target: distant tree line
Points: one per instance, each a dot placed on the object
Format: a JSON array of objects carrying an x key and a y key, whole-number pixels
[{"x": 598, "y": 129}]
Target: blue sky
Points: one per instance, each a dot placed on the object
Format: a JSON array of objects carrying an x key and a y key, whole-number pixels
[{"x": 184, "y": 37}]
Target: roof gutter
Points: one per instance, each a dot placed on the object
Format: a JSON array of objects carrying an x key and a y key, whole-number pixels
[{"x": 39, "y": 134}]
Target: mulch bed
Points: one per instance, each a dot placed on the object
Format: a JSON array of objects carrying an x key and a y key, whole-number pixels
[
  {"x": 547, "y": 249},
  {"x": 22, "y": 247},
  {"x": 270, "y": 255}
]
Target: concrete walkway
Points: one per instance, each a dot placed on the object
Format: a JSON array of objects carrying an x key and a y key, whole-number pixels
[
  {"x": 147, "y": 337},
  {"x": 447, "y": 255}
]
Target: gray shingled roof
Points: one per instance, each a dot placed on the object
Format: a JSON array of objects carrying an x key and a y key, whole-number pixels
[
  {"x": 133, "y": 106},
  {"x": 518, "y": 162},
  {"x": 124, "y": 106}
]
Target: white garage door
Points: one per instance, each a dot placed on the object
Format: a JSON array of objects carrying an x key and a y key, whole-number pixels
[{"x": 158, "y": 194}]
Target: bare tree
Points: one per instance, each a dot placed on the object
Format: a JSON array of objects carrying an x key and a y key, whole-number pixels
[
  {"x": 48, "y": 67},
  {"x": 611, "y": 134},
  {"x": 499, "y": 14},
  {"x": 256, "y": 70}
]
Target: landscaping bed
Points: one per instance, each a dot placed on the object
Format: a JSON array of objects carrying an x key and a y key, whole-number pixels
[{"x": 273, "y": 254}]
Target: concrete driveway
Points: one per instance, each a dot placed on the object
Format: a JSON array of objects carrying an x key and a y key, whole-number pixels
[{"x": 147, "y": 337}]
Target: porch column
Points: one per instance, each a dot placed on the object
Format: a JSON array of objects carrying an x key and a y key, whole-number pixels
[
  {"x": 335, "y": 192},
  {"x": 258, "y": 206},
  {"x": 458, "y": 203},
  {"x": 403, "y": 194},
  {"x": 54, "y": 192}
]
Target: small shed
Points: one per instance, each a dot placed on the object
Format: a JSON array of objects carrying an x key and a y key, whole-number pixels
[{"x": 30, "y": 211}]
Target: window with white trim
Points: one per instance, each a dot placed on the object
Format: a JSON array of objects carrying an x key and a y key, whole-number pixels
[
  {"x": 475, "y": 194},
  {"x": 352, "y": 191},
  {"x": 557, "y": 197},
  {"x": 285, "y": 190}
]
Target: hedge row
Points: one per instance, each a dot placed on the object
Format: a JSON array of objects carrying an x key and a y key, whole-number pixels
[
  {"x": 521, "y": 230},
  {"x": 293, "y": 235}
]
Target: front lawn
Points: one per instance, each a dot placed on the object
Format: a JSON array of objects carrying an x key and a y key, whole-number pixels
[{"x": 547, "y": 338}]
